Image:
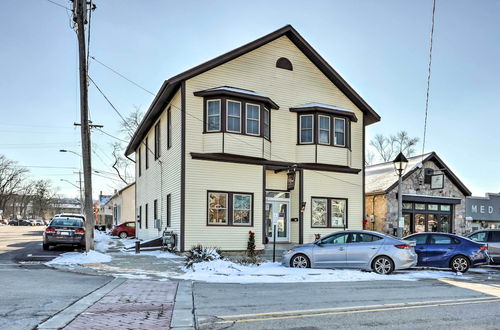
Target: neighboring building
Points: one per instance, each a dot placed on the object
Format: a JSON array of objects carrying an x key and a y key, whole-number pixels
[
  {"x": 482, "y": 212},
  {"x": 67, "y": 205},
  {"x": 123, "y": 204},
  {"x": 433, "y": 197},
  {"x": 105, "y": 215},
  {"x": 215, "y": 148}
]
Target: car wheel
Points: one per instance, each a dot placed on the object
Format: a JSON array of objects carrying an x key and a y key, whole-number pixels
[
  {"x": 300, "y": 261},
  {"x": 383, "y": 265},
  {"x": 123, "y": 234},
  {"x": 460, "y": 264},
  {"x": 45, "y": 246}
]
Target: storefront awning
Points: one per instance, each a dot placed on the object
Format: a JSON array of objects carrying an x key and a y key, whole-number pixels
[{"x": 431, "y": 199}]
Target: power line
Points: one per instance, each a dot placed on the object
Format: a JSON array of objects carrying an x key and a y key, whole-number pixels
[
  {"x": 58, "y": 4},
  {"x": 428, "y": 76},
  {"x": 112, "y": 136},
  {"x": 119, "y": 74}
]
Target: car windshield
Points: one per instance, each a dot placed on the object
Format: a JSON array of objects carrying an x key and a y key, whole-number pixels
[{"x": 67, "y": 222}]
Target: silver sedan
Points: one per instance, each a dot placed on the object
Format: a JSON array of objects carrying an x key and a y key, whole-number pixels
[{"x": 359, "y": 249}]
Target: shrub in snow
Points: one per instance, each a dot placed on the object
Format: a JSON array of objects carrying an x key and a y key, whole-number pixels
[{"x": 198, "y": 253}]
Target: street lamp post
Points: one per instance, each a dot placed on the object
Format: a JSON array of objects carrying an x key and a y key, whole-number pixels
[{"x": 400, "y": 163}]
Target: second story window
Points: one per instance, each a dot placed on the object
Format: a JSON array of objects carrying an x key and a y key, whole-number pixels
[
  {"x": 339, "y": 132},
  {"x": 213, "y": 116},
  {"x": 324, "y": 129},
  {"x": 233, "y": 116},
  {"x": 157, "y": 141},
  {"x": 146, "y": 155},
  {"x": 253, "y": 119},
  {"x": 267, "y": 126},
  {"x": 169, "y": 128},
  {"x": 306, "y": 128},
  {"x": 139, "y": 161}
]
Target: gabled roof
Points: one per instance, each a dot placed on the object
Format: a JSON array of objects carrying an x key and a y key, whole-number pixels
[
  {"x": 382, "y": 178},
  {"x": 170, "y": 86}
]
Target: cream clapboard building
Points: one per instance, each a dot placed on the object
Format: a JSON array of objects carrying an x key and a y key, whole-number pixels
[{"x": 215, "y": 149}]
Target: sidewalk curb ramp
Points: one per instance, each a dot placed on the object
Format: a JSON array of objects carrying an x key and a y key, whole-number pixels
[
  {"x": 65, "y": 316},
  {"x": 183, "y": 314}
]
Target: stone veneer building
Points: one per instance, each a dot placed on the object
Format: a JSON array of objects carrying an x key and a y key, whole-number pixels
[{"x": 433, "y": 197}]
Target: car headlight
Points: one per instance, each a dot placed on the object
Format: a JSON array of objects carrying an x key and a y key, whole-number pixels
[{"x": 290, "y": 251}]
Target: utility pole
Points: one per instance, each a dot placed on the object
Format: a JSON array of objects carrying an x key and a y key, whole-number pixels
[{"x": 80, "y": 18}]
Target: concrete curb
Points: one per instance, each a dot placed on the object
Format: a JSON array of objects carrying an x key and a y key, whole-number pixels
[
  {"x": 62, "y": 318},
  {"x": 183, "y": 313}
]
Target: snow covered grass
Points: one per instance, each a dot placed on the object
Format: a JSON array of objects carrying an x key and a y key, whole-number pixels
[
  {"x": 157, "y": 254},
  {"x": 77, "y": 258},
  {"x": 230, "y": 272}
]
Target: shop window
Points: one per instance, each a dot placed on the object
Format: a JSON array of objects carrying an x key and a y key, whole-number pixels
[
  {"x": 433, "y": 207},
  {"x": 446, "y": 208},
  {"x": 230, "y": 208},
  {"x": 328, "y": 212},
  {"x": 213, "y": 116},
  {"x": 419, "y": 206},
  {"x": 407, "y": 206}
]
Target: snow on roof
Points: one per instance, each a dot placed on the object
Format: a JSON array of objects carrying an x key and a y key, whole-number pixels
[
  {"x": 379, "y": 177},
  {"x": 237, "y": 90},
  {"x": 314, "y": 104}
]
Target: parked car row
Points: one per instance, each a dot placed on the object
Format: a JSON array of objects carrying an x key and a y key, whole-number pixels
[
  {"x": 24, "y": 222},
  {"x": 383, "y": 254}
]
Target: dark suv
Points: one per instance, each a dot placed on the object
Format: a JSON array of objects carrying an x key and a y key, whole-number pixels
[
  {"x": 490, "y": 237},
  {"x": 64, "y": 231}
]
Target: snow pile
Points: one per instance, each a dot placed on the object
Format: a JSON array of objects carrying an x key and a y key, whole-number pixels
[
  {"x": 230, "y": 272},
  {"x": 102, "y": 241},
  {"x": 157, "y": 254},
  {"x": 77, "y": 258}
]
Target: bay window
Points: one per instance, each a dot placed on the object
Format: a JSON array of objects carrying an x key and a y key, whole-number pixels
[
  {"x": 233, "y": 116},
  {"x": 306, "y": 128},
  {"x": 328, "y": 212},
  {"x": 324, "y": 129},
  {"x": 230, "y": 208},
  {"x": 213, "y": 116},
  {"x": 253, "y": 119},
  {"x": 339, "y": 132}
]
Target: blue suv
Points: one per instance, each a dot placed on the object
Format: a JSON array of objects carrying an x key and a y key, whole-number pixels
[{"x": 448, "y": 251}]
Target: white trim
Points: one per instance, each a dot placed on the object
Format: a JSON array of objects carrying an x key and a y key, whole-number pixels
[
  {"x": 335, "y": 131},
  {"x": 220, "y": 115},
  {"x": 249, "y": 214},
  {"x": 258, "y": 119},
  {"x": 322, "y": 129},
  {"x": 227, "y": 116},
  {"x": 300, "y": 129}
]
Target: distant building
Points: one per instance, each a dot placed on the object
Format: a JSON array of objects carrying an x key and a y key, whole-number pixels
[
  {"x": 123, "y": 204},
  {"x": 105, "y": 213},
  {"x": 67, "y": 205},
  {"x": 433, "y": 197}
]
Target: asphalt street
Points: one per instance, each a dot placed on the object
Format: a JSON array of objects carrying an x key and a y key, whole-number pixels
[{"x": 30, "y": 291}]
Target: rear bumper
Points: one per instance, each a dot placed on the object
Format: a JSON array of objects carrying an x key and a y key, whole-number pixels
[
  {"x": 405, "y": 259},
  {"x": 75, "y": 240}
]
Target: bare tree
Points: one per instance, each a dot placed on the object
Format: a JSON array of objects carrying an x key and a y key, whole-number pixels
[
  {"x": 369, "y": 158},
  {"x": 388, "y": 147},
  {"x": 43, "y": 197},
  {"x": 11, "y": 177}
]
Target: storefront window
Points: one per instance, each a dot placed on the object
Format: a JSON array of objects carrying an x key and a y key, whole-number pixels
[
  {"x": 419, "y": 223},
  {"x": 407, "y": 206},
  {"x": 445, "y": 208},
  {"x": 217, "y": 208},
  {"x": 432, "y": 222},
  {"x": 338, "y": 212},
  {"x": 419, "y": 206},
  {"x": 319, "y": 212},
  {"x": 432, "y": 207},
  {"x": 242, "y": 207}
]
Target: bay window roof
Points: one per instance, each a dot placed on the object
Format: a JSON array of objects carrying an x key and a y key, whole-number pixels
[
  {"x": 319, "y": 107},
  {"x": 238, "y": 92}
]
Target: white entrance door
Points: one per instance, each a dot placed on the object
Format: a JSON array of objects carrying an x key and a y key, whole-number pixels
[{"x": 278, "y": 213}]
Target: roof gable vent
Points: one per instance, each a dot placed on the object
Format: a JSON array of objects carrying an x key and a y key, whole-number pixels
[{"x": 284, "y": 63}]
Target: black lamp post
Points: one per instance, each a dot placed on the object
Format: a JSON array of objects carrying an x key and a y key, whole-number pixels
[{"x": 400, "y": 163}]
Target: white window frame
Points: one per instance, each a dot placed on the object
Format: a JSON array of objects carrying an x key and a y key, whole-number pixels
[
  {"x": 219, "y": 115},
  {"x": 227, "y": 116},
  {"x": 322, "y": 129},
  {"x": 249, "y": 214},
  {"x": 226, "y": 209},
  {"x": 268, "y": 124},
  {"x": 335, "y": 132},
  {"x": 252, "y": 119},
  {"x": 312, "y": 129}
]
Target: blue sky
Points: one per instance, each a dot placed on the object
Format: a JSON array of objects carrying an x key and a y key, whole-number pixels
[{"x": 379, "y": 47}]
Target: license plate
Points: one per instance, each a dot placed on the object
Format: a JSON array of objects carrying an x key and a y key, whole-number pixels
[{"x": 65, "y": 233}]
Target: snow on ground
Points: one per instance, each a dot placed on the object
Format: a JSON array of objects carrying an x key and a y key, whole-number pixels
[
  {"x": 157, "y": 254},
  {"x": 102, "y": 241},
  {"x": 78, "y": 258},
  {"x": 230, "y": 272}
]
